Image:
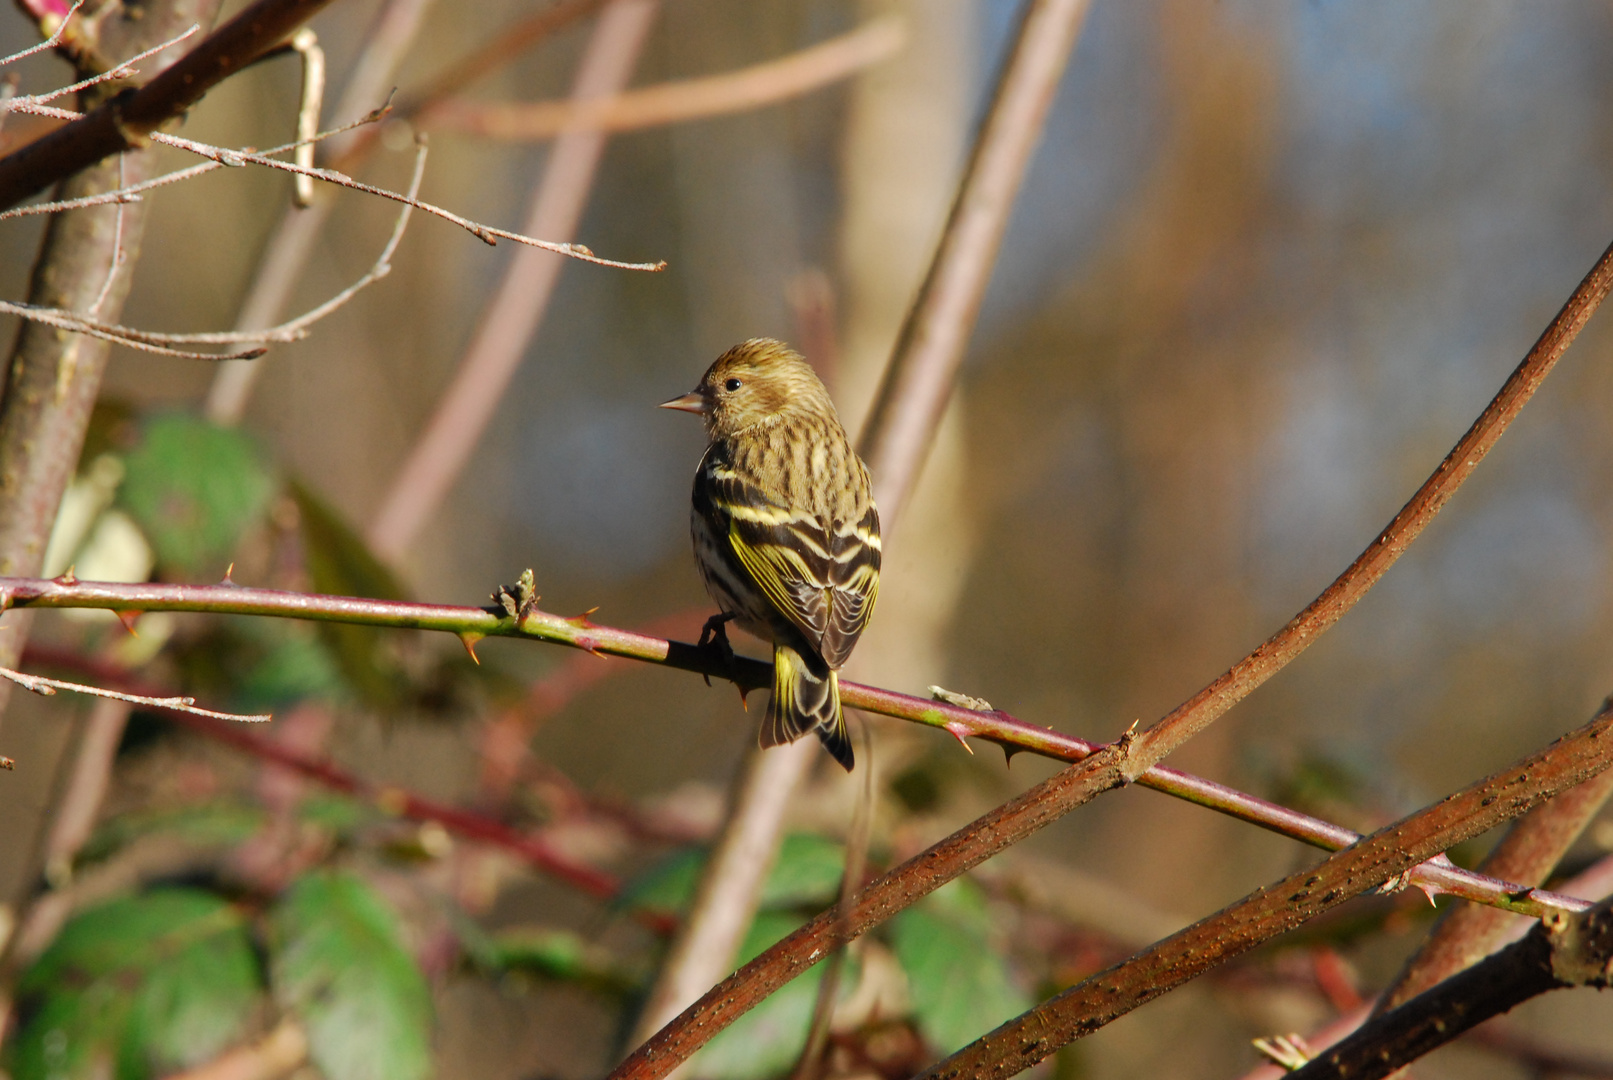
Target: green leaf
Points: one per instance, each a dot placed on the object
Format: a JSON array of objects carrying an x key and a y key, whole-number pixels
[
  {"x": 807, "y": 873},
  {"x": 767, "y": 1040},
  {"x": 194, "y": 488},
  {"x": 146, "y": 984},
  {"x": 220, "y": 823},
  {"x": 958, "y": 981},
  {"x": 339, "y": 964},
  {"x": 340, "y": 564},
  {"x": 296, "y": 665}
]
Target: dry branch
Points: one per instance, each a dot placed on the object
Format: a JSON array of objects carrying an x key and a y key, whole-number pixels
[
  {"x": 676, "y": 102},
  {"x": 1574, "y": 950},
  {"x": 47, "y": 687}
]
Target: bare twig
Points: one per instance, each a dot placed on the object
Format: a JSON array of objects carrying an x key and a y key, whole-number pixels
[
  {"x": 517, "y": 309},
  {"x": 675, "y": 102},
  {"x": 293, "y": 330},
  {"x": 306, "y": 44},
  {"x": 47, "y": 687},
  {"x": 132, "y": 192},
  {"x": 50, "y": 42},
  {"x": 118, "y": 255},
  {"x": 290, "y": 245},
  {"x": 1283, "y": 905},
  {"x": 125, "y": 70},
  {"x": 124, "y": 122}
]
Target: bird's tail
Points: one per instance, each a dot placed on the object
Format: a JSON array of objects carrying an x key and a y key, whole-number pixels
[{"x": 806, "y": 697}]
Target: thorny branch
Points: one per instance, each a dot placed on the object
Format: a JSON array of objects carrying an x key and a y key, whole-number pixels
[{"x": 472, "y": 625}]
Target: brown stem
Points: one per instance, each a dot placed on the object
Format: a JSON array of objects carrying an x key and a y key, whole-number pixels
[
  {"x": 122, "y": 123},
  {"x": 1284, "y": 905},
  {"x": 292, "y": 243},
  {"x": 1527, "y": 854},
  {"x": 678, "y": 101},
  {"x": 1556, "y": 954},
  {"x": 924, "y": 365}
]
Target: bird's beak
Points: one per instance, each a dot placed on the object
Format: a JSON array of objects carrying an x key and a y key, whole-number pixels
[{"x": 694, "y": 401}]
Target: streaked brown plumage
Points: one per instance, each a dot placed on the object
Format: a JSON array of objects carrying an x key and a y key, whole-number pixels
[{"x": 785, "y": 530}]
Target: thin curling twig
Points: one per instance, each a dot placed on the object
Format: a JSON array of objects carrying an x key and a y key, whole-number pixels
[{"x": 293, "y": 330}]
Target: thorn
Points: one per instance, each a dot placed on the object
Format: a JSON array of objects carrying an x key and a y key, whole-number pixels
[
  {"x": 1430, "y": 891},
  {"x": 127, "y": 618},
  {"x": 958, "y": 731},
  {"x": 1009, "y": 751},
  {"x": 588, "y": 644},
  {"x": 743, "y": 691},
  {"x": 227, "y": 572},
  {"x": 469, "y": 640},
  {"x": 582, "y": 621},
  {"x": 66, "y": 577}
]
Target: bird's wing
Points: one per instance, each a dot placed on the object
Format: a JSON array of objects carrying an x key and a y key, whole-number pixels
[
  {"x": 787, "y": 553},
  {"x": 854, "y": 585}
]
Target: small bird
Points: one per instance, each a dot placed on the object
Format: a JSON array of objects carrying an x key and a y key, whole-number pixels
[{"x": 785, "y": 530}]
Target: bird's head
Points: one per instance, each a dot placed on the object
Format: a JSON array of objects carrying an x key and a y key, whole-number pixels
[{"x": 756, "y": 381}]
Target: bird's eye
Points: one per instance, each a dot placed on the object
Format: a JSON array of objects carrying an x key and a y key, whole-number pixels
[{"x": 731, "y": 385}]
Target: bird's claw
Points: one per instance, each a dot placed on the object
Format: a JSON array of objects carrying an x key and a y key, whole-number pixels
[{"x": 714, "y": 639}]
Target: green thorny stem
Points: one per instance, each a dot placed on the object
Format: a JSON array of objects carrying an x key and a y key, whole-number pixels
[{"x": 472, "y": 624}]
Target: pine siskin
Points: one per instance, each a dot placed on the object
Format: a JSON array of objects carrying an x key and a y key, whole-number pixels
[{"x": 785, "y": 530}]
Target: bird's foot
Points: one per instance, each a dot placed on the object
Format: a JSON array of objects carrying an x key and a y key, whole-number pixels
[{"x": 714, "y": 640}]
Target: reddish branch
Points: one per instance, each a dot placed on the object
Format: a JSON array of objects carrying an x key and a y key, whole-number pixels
[
  {"x": 124, "y": 122},
  {"x": 393, "y": 800}
]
